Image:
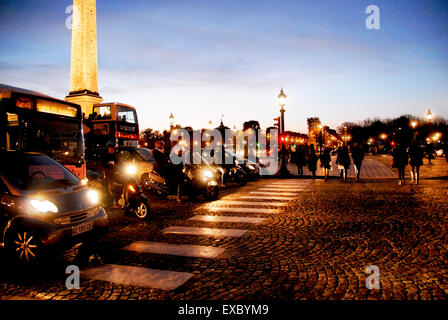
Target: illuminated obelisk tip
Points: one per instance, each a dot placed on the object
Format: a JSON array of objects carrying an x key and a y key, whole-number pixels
[{"x": 83, "y": 73}]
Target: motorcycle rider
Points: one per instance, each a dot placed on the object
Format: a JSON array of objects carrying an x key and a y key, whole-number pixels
[
  {"x": 108, "y": 162},
  {"x": 173, "y": 174}
]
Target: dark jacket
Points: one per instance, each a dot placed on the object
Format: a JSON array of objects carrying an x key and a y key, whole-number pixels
[
  {"x": 416, "y": 155},
  {"x": 357, "y": 155},
  {"x": 400, "y": 157},
  {"x": 343, "y": 158}
]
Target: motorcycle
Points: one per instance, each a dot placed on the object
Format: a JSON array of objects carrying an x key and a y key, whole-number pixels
[
  {"x": 233, "y": 173},
  {"x": 197, "y": 180},
  {"x": 126, "y": 188}
]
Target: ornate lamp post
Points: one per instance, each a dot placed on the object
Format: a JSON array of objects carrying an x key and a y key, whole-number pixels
[
  {"x": 282, "y": 101},
  {"x": 414, "y": 124},
  {"x": 171, "y": 121},
  {"x": 429, "y": 117}
]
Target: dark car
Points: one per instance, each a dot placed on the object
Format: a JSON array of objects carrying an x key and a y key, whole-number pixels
[
  {"x": 44, "y": 207},
  {"x": 251, "y": 168}
]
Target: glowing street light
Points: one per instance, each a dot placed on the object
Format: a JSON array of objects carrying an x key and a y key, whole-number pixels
[
  {"x": 282, "y": 102},
  {"x": 429, "y": 115}
]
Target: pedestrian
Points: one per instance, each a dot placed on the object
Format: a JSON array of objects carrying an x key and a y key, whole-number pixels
[
  {"x": 300, "y": 159},
  {"x": 343, "y": 162},
  {"x": 416, "y": 155},
  {"x": 400, "y": 161},
  {"x": 108, "y": 162},
  {"x": 325, "y": 162},
  {"x": 357, "y": 156},
  {"x": 312, "y": 160}
]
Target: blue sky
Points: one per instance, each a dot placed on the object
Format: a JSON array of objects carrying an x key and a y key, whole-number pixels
[{"x": 201, "y": 59}]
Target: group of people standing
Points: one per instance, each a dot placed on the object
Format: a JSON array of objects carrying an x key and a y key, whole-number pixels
[
  {"x": 401, "y": 157},
  {"x": 307, "y": 156}
]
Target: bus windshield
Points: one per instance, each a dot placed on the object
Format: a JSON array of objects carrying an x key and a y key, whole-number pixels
[
  {"x": 58, "y": 139},
  {"x": 126, "y": 114}
]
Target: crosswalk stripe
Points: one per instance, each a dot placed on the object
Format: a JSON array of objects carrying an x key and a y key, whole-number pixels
[
  {"x": 275, "y": 193},
  {"x": 184, "y": 250},
  {"x": 285, "y": 187},
  {"x": 245, "y": 203},
  {"x": 243, "y": 210},
  {"x": 283, "y": 190},
  {"x": 266, "y": 197},
  {"x": 137, "y": 276},
  {"x": 206, "y": 218},
  {"x": 212, "y": 232}
]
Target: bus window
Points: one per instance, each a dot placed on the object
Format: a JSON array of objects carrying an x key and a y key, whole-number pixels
[
  {"x": 58, "y": 139},
  {"x": 125, "y": 114},
  {"x": 102, "y": 113}
]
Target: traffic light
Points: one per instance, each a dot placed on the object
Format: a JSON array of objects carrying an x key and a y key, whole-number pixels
[{"x": 277, "y": 122}]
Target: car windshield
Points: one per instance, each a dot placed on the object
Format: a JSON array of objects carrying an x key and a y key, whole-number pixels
[
  {"x": 35, "y": 172},
  {"x": 145, "y": 154}
]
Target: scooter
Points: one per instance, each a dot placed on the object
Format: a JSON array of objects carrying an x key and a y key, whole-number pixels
[
  {"x": 234, "y": 173},
  {"x": 197, "y": 180},
  {"x": 126, "y": 188}
]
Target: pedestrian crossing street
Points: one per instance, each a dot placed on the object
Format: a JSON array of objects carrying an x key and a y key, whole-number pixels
[{"x": 263, "y": 201}]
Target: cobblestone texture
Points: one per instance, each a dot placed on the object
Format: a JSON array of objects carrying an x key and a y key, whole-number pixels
[{"x": 316, "y": 247}]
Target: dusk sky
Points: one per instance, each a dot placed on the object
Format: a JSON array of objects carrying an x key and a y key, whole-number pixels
[{"x": 202, "y": 59}]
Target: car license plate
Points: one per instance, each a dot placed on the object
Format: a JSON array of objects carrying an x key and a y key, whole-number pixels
[{"x": 83, "y": 227}]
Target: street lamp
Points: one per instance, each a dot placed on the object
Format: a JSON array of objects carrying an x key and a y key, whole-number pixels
[
  {"x": 414, "y": 124},
  {"x": 282, "y": 102},
  {"x": 171, "y": 121}
]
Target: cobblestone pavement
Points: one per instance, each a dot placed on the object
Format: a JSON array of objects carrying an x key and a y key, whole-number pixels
[{"x": 310, "y": 239}]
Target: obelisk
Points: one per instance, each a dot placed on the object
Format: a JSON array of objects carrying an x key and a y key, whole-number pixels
[{"x": 84, "y": 68}]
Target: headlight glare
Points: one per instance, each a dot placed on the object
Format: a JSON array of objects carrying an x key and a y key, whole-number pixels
[
  {"x": 93, "y": 196},
  {"x": 44, "y": 206},
  {"x": 130, "y": 169},
  {"x": 208, "y": 174}
]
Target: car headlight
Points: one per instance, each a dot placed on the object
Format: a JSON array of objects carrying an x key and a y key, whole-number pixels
[
  {"x": 93, "y": 196},
  {"x": 130, "y": 169},
  {"x": 44, "y": 206},
  {"x": 84, "y": 181},
  {"x": 207, "y": 174}
]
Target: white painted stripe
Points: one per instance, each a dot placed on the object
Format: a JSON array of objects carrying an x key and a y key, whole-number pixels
[
  {"x": 285, "y": 187},
  {"x": 184, "y": 250},
  {"x": 243, "y": 210},
  {"x": 282, "y": 190},
  {"x": 245, "y": 203},
  {"x": 137, "y": 276},
  {"x": 212, "y": 232},
  {"x": 226, "y": 219},
  {"x": 267, "y": 197},
  {"x": 275, "y": 193}
]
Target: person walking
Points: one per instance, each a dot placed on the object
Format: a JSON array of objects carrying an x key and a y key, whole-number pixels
[
  {"x": 400, "y": 161},
  {"x": 343, "y": 162},
  {"x": 416, "y": 155},
  {"x": 358, "y": 156},
  {"x": 312, "y": 160},
  {"x": 325, "y": 162},
  {"x": 300, "y": 159}
]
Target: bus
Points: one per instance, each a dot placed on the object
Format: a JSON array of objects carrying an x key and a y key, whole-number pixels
[
  {"x": 113, "y": 121},
  {"x": 32, "y": 121}
]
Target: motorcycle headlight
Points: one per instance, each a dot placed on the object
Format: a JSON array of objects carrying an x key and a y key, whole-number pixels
[
  {"x": 207, "y": 174},
  {"x": 44, "y": 206},
  {"x": 93, "y": 196},
  {"x": 130, "y": 169},
  {"x": 251, "y": 167}
]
